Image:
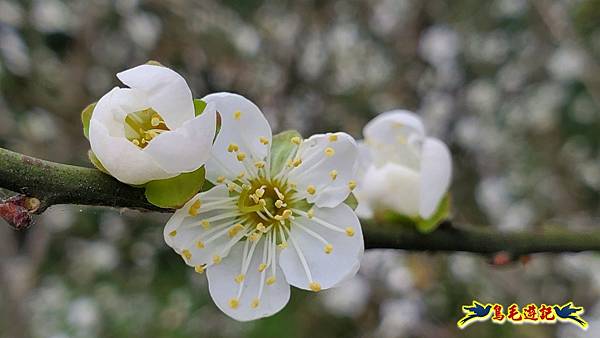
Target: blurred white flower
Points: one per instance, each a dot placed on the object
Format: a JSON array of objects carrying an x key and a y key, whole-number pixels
[
  {"x": 400, "y": 168},
  {"x": 263, "y": 228},
  {"x": 149, "y": 131}
]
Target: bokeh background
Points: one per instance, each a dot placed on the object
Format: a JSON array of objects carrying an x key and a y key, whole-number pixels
[{"x": 513, "y": 86}]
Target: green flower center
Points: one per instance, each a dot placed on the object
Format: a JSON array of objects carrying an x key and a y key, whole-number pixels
[{"x": 144, "y": 125}]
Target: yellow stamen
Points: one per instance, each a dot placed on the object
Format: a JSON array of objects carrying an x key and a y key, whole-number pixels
[
  {"x": 270, "y": 280},
  {"x": 186, "y": 254},
  {"x": 173, "y": 233},
  {"x": 233, "y": 148},
  {"x": 205, "y": 224},
  {"x": 262, "y": 267},
  {"x": 332, "y": 137},
  {"x": 328, "y": 248},
  {"x": 264, "y": 140},
  {"x": 237, "y": 115},
  {"x": 352, "y": 184},
  {"x": 241, "y": 156},
  {"x": 255, "y": 303},
  {"x": 350, "y": 231},
  {"x": 260, "y": 164},
  {"x": 216, "y": 259},
  {"x": 200, "y": 245},
  {"x": 239, "y": 278},
  {"x": 329, "y": 151},
  {"x": 194, "y": 208},
  {"x": 311, "y": 213},
  {"x": 296, "y": 140},
  {"x": 333, "y": 174},
  {"x": 234, "y": 303},
  {"x": 316, "y": 287},
  {"x": 311, "y": 189},
  {"x": 200, "y": 268},
  {"x": 297, "y": 162},
  {"x": 220, "y": 179}
]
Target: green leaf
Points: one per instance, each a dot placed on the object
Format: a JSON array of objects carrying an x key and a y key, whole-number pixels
[
  {"x": 430, "y": 224},
  {"x": 175, "y": 192},
  {"x": 86, "y": 116},
  {"x": 351, "y": 201},
  {"x": 96, "y": 162},
  {"x": 281, "y": 149},
  {"x": 199, "y": 106}
]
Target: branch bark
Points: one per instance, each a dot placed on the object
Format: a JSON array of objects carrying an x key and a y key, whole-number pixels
[{"x": 54, "y": 183}]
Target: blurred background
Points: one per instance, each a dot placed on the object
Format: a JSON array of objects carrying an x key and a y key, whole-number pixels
[{"x": 513, "y": 86}]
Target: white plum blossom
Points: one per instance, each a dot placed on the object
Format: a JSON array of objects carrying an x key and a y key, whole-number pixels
[
  {"x": 150, "y": 131},
  {"x": 400, "y": 168},
  {"x": 262, "y": 228}
]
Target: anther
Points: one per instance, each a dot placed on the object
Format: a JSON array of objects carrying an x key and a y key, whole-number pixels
[
  {"x": 270, "y": 280},
  {"x": 200, "y": 268},
  {"x": 200, "y": 245},
  {"x": 237, "y": 115},
  {"x": 260, "y": 192},
  {"x": 260, "y": 164},
  {"x": 311, "y": 189},
  {"x": 234, "y": 303},
  {"x": 233, "y": 148},
  {"x": 194, "y": 208},
  {"x": 350, "y": 231},
  {"x": 205, "y": 224},
  {"x": 311, "y": 213},
  {"x": 332, "y": 137},
  {"x": 328, "y": 248},
  {"x": 173, "y": 233},
  {"x": 279, "y": 204},
  {"x": 296, "y": 140},
  {"x": 315, "y": 286},
  {"x": 255, "y": 303},
  {"x": 220, "y": 179},
  {"x": 329, "y": 151},
  {"x": 333, "y": 174},
  {"x": 352, "y": 184},
  {"x": 239, "y": 278},
  {"x": 241, "y": 156},
  {"x": 286, "y": 214},
  {"x": 263, "y": 140},
  {"x": 262, "y": 267},
  {"x": 261, "y": 227},
  {"x": 155, "y": 121},
  {"x": 186, "y": 254},
  {"x": 297, "y": 162},
  {"x": 216, "y": 259}
]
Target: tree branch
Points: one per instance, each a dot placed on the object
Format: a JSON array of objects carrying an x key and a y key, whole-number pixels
[{"x": 47, "y": 183}]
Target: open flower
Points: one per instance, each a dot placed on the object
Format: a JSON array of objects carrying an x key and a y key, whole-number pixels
[
  {"x": 265, "y": 226},
  {"x": 400, "y": 168},
  {"x": 150, "y": 131}
]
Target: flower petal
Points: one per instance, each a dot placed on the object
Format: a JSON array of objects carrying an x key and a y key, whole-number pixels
[
  {"x": 243, "y": 125},
  {"x": 436, "y": 172},
  {"x": 328, "y": 165},
  {"x": 223, "y": 287},
  {"x": 185, "y": 230},
  {"x": 392, "y": 187},
  {"x": 385, "y": 128},
  {"x": 327, "y": 269},
  {"x": 187, "y": 148},
  {"x": 166, "y": 91},
  {"x": 395, "y": 136}
]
